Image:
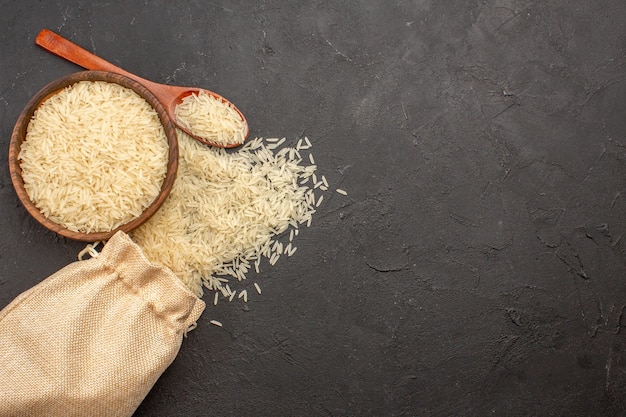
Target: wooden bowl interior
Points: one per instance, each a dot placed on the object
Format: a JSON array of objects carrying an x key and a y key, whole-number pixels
[{"x": 19, "y": 135}]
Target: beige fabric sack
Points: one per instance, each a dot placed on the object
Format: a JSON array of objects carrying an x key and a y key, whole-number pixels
[{"x": 93, "y": 338}]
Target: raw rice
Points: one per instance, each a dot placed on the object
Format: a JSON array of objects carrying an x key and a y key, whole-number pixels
[
  {"x": 208, "y": 117},
  {"x": 94, "y": 157},
  {"x": 227, "y": 210}
]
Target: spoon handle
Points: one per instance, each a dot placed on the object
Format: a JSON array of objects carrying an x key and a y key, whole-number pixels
[
  {"x": 168, "y": 95},
  {"x": 68, "y": 50}
]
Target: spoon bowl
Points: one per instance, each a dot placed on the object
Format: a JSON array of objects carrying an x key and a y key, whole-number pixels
[
  {"x": 169, "y": 95},
  {"x": 187, "y": 91}
]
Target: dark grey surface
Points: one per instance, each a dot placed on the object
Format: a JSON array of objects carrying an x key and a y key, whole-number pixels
[{"x": 477, "y": 266}]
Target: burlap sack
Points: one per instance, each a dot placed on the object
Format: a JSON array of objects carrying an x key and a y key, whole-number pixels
[{"x": 93, "y": 338}]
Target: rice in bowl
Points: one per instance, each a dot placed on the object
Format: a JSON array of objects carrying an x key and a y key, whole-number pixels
[{"x": 94, "y": 157}]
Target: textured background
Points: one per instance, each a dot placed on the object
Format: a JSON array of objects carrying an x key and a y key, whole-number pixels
[{"x": 477, "y": 266}]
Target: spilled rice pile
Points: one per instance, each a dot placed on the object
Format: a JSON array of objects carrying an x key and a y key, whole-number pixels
[{"x": 227, "y": 209}]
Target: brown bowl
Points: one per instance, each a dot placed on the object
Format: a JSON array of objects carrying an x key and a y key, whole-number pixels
[{"x": 19, "y": 135}]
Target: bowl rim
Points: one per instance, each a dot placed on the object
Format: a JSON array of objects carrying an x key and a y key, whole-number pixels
[{"x": 19, "y": 134}]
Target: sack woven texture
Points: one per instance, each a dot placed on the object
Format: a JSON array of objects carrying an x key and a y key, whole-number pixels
[{"x": 93, "y": 338}]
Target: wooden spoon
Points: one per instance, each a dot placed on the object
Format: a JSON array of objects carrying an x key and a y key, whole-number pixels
[{"x": 170, "y": 96}]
